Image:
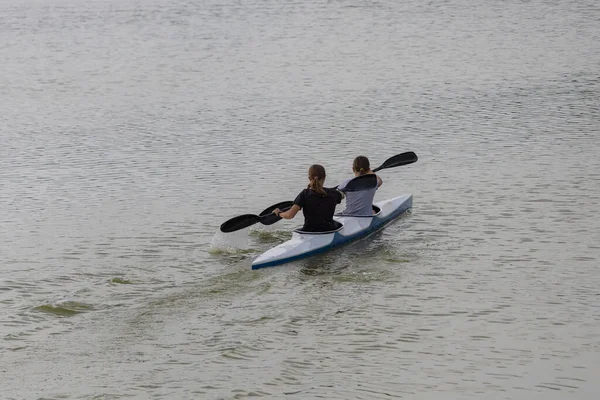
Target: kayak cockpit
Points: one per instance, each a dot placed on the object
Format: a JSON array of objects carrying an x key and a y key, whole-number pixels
[{"x": 338, "y": 227}]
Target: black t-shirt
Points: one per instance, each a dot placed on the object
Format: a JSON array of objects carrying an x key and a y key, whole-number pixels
[{"x": 318, "y": 210}]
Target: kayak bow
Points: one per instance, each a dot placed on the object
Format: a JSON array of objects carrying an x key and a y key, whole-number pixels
[{"x": 305, "y": 244}]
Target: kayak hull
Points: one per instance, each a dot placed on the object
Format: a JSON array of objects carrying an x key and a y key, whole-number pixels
[{"x": 304, "y": 244}]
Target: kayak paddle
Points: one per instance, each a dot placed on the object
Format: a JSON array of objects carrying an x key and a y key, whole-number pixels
[
  {"x": 401, "y": 159},
  {"x": 266, "y": 218},
  {"x": 369, "y": 181},
  {"x": 361, "y": 182}
]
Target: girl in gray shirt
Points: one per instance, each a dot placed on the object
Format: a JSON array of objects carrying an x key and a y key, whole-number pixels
[{"x": 359, "y": 203}]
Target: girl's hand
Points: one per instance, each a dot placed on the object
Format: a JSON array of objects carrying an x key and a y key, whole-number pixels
[{"x": 277, "y": 211}]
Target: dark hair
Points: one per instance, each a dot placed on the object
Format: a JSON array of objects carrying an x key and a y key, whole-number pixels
[
  {"x": 316, "y": 176},
  {"x": 361, "y": 165}
]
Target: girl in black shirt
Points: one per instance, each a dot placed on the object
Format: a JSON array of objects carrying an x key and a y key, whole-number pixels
[{"x": 317, "y": 202}]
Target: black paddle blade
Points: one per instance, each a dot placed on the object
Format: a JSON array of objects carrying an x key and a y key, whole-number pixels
[
  {"x": 362, "y": 182},
  {"x": 268, "y": 218},
  {"x": 401, "y": 159},
  {"x": 239, "y": 222},
  {"x": 281, "y": 206}
]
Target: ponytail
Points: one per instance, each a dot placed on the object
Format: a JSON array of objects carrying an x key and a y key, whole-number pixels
[
  {"x": 317, "y": 185},
  {"x": 316, "y": 176}
]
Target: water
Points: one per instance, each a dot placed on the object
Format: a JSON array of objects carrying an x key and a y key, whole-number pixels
[{"x": 130, "y": 130}]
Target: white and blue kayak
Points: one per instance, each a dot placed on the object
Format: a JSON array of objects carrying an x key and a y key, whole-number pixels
[{"x": 305, "y": 244}]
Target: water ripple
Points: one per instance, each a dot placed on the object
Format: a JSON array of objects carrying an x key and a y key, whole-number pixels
[{"x": 132, "y": 129}]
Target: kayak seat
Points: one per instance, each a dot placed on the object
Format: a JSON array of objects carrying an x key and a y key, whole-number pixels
[
  {"x": 376, "y": 210},
  {"x": 338, "y": 226}
]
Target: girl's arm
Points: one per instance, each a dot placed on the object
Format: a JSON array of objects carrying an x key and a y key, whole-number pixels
[{"x": 289, "y": 214}]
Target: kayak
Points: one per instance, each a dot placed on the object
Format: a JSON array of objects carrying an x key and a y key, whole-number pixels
[{"x": 305, "y": 244}]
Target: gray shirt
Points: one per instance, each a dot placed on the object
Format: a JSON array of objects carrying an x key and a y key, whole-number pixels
[{"x": 358, "y": 203}]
